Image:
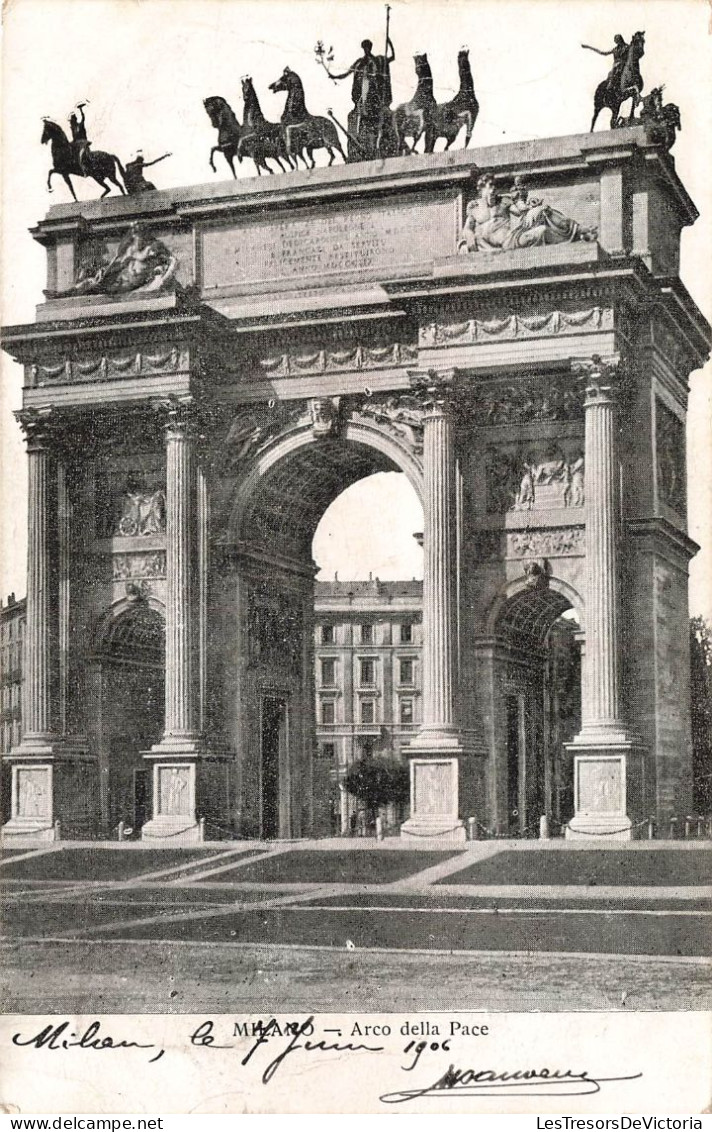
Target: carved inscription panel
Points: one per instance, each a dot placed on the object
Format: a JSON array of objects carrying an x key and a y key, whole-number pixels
[{"x": 356, "y": 240}]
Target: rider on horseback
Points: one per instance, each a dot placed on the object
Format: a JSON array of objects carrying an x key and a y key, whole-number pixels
[
  {"x": 79, "y": 138},
  {"x": 619, "y": 51}
]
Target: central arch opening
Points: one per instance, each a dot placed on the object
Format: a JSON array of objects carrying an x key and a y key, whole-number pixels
[{"x": 333, "y": 630}]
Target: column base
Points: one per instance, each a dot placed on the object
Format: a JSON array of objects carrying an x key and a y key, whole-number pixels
[
  {"x": 433, "y": 832},
  {"x": 53, "y": 792},
  {"x": 608, "y": 788},
  {"x": 606, "y": 827},
  {"x": 190, "y": 792}
]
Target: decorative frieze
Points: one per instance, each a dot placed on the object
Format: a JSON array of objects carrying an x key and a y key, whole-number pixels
[
  {"x": 105, "y": 367},
  {"x": 151, "y": 564},
  {"x": 670, "y": 457},
  {"x": 326, "y": 361},
  {"x": 534, "y": 480},
  {"x": 275, "y": 629},
  {"x": 554, "y": 542},
  {"x": 473, "y": 331},
  {"x": 401, "y": 414},
  {"x": 559, "y": 542},
  {"x": 142, "y": 263},
  {"x": 674, "y": 350},
  {"x": 550, "y": 399}
]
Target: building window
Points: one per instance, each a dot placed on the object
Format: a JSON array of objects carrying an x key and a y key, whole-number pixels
[
  {"x": 367, "y": 634},
  {"x": 327, "y": 634},
  {"x": 328, "y": 712},
  {"x": 406, "y": 634},
  {"x": 328, "y": 673},
  {"x": 406, "y": 711},
  {"x": 368, "y": 711},
  {"x": 328, "y": 751},
  {"x": 406, "y": 672},
  {"x": 368, "y": 673}
]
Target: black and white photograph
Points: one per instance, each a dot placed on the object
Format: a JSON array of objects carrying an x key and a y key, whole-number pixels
[{"x": 356, "y": 557}]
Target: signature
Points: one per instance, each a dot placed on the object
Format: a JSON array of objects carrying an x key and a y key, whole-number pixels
[
  {"x": 58, "y": 1038},
  {"x": 508, "y": 1083},
  {"x": 268, "y": 1031}
]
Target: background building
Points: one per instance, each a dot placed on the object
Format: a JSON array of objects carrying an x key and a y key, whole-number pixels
[
  {"x": 12, "y": 630},
  {"x": 367, "y": 646}
]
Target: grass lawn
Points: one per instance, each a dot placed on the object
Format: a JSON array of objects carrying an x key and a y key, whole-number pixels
[
  {"x": 657, "y": 867},
  {"x": 94, "y": 862},
  {"x": 361, "y": 866}
]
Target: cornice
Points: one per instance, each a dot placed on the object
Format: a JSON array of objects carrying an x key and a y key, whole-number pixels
[{"x": 660, "y": 530}]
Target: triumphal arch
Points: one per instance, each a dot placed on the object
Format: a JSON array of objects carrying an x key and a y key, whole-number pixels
[{"x": 211, "y": 366}]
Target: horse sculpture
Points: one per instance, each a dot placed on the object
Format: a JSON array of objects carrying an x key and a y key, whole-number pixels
[
  {"x": 260, "y": 139},
  {"x": 612, "y": 93},
  {"x": 415, "y": 118},
  {"x": 448, "y": 118},
  {"x": 102, "y": 167},
  {"x": 302, "y": 130},
  {"x": 224, "y": 120}
]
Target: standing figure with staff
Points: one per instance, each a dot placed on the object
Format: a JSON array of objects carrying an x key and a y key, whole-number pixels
[{"x": 370, "y": 129}]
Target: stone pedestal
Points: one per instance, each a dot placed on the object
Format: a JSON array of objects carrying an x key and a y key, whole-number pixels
[
  {"x": 434, "y": 801},
  {"x": 435, "y": 750},
  {"x": 53, "y": 796},
  {"x": 607, "y": 787}
]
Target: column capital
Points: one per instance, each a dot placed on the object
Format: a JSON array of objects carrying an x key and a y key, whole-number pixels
[
  {"x": 602, "y": 378},
  {"x": 178, "y": 415},
  {"x": 39, "y": 427},
  {"x": 436, "y": 387}
]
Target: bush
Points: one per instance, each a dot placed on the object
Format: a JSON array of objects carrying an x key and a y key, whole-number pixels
[{"x": 378, "y": 782}]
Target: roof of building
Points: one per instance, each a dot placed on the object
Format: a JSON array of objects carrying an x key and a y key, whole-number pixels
[{"x": 372, "y": 587}]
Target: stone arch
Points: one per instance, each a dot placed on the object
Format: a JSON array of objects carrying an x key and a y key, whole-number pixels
[
  {"x": 519, "y": 588},
  {"x": 536, "y": 677},
  {"x": 380, "y": 451},
  {"x": 114, "y": 624},
  {"x": 127, "y": 706}
]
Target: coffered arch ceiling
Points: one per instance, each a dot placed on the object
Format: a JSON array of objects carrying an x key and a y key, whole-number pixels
[
  {"x": 525, "y": 620},
  {"x": 289, "y": 499}
]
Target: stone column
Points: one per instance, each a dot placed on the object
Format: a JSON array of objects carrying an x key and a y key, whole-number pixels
[
  {"x": 52, "y": 781},
  {"x": 187, "y": 778},
  {"x": 40, "y": 630},
  {"x": 64, "y": 527},
  {"x": 180, "y": 718},
  {"x": 606, "y": 756},
  {"x": 434, "y": 751}
]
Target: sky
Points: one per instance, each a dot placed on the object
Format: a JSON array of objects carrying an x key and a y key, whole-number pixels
[{"x": 146, "y": 65}]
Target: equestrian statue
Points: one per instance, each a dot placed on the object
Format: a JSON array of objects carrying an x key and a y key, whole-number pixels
[
  {"x": 624, "y": 80},
  {"x": 224, "y": 120},
  {"x": 304, "y": 131},
  {"x": 261, "y": 139},
  {"x": 415, "y": 118},
  {"x": 448, "y": 118},
  {"x": 76, "y": 158}
]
